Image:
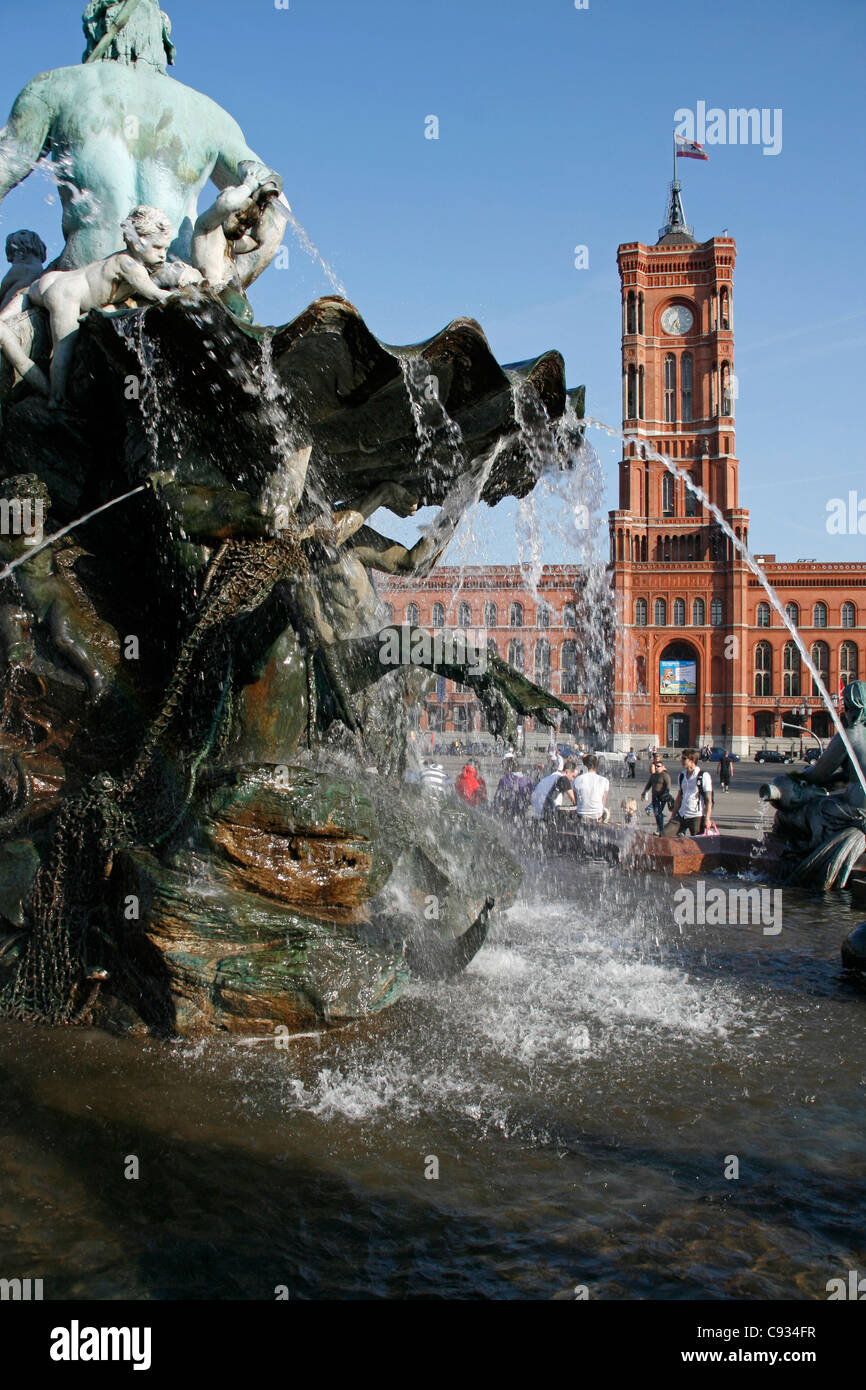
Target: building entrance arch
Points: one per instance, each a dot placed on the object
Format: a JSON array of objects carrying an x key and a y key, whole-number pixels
[{"x": 678, "y": 726}]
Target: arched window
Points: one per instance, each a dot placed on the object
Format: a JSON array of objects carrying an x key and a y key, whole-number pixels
[
  {"x": 641, "y": 408},
  {"x": 412, "y": 615},
  {"x": 542, "y": 662},
  {"x": 849, "y": 615},
  {"x": 727, "y": 399},
  {"x": 686, "y": 386},
  {"x": 492, "y": 647},
  {"x": 792, "y": 611},
  {"x": 790, "y": 670},
  {"x": 569, "y": 668},
  {"x": 724, "y": 309},
  {"x": 568, "y": 618},
  {"x": 438, "y": 616},
  {"x": 543, "y": 618},
  {"x": 679, "y": 612},
  {"x": 699, "y": 612},
  {"x": 668, "y": 495},
  {"x": 388, "y": 612},
  {"x": 660, "y": 613},
  {"x": 819, "y": 615},
  {"x": 464, "y": 615},
  {"x": 670, "y": 388},
  {"x": 848, "y": 662},
  {"x": 691, "y": 499},
  {"x": 515, "y": 654},
  {"x": 631, "y": 402},
  {"x": 763, "y": 669},
  {"x": 717, "y": 613},
  {"x": 640, "y": 613},
  {"x": 762, "y": 615},
  {"x": 640, "y": 314},
  {"x": 630, "y": 316},
  {"x": 490, "y": 616},
  {"x": 821, "y": 661},
  {"x": 517, "y": 615}
]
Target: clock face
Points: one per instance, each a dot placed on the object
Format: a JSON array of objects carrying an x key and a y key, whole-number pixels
[{"x": 677, "y": 319}]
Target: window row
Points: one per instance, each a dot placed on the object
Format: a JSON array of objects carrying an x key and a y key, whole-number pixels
[
  {"x": 819, "y": 615},
  {"x": 792, "y": 667},
  {"x": 678, "y": 613},
  {"x": 633, "y": 311},
  {"x": 516, "y": 615}
]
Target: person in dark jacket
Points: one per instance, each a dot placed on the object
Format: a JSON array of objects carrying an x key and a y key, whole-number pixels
[
  {"x": 659, "y": 785},
  {"x": 726, "y": 768}
]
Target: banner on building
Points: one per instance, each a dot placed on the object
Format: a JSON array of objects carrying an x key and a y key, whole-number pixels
[{"x": 678, "y": 678}]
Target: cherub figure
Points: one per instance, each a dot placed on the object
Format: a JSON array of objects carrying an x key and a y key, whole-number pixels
[
  {"x": 26, "y": 252},
  {"x": 67, "y": 295},
  {"x": 236, "y": 239},
  {"x": 49, "y": 599}
]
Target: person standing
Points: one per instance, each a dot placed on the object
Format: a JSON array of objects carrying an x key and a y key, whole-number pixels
[
  {"x": 470, "y": 786},
  {"x": 658, "y": 784},
  {"x": 693, "y": 808},
  {"x": 631, "y": 762},
  {"x": 590, "y": 791},
  {"x": 512, "y": 794},
  {"x": 726, "y": 768}
]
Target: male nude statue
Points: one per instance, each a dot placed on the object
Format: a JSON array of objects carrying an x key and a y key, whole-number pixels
[
  {"x": 121, "y": 133},
  {"x": 68, "y": 294}
]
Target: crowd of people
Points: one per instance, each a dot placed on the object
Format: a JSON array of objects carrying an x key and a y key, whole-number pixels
[{"x": 575, "y": 785}]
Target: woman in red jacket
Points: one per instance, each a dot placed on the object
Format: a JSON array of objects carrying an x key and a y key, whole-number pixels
[{"x": 470, "y": 786}]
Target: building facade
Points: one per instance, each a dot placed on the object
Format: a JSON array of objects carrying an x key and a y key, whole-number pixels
[
  {"x": 701, "y": 654},
  {"x": 546, "y": 632}
]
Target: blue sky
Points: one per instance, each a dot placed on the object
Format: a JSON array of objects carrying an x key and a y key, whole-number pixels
[{"x": 554, "y": 130}]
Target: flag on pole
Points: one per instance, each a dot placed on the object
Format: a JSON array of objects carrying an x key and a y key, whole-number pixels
[{"x": 688, "y": 149}]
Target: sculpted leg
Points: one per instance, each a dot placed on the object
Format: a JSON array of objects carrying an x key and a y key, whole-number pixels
[
  {"x": 24, "y": 365},
  {"x": 64, "y": 333}
]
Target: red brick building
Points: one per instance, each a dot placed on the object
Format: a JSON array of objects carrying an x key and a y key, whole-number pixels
[
  {"x": 688, "y": 606},
  {"x": 543, "y": 634},
  {"x": 700, "y": 654}
]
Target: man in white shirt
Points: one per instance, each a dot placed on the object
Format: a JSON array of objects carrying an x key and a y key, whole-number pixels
[
  {"x": 590, "y": 791},
  {"x": 693, "y": 808},
  {"x": 556, "y": 789}
]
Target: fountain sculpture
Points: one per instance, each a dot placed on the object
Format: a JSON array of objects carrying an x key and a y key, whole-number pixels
[
  {"x": 821, "y": 813},
  {"x": 204, "y": 818}
]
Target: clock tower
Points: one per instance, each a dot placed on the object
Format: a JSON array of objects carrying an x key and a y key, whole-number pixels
[{"x": 679, "y": 583}]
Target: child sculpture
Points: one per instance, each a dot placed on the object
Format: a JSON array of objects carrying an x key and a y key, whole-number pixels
[
  {"x": 235, "y": 240},
  {"x": 26, "y": 252},
  {"x": 67, "y": 295},
  {"x": 48, "y": 598}
]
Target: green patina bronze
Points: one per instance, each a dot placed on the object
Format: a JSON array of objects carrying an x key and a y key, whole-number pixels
[{"x": 205, "y": 822}]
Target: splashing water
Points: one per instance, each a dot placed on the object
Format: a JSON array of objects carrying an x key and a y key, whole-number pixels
[
  {"x": 756, "y": 570},
  {"x": 312, "y": 251}
]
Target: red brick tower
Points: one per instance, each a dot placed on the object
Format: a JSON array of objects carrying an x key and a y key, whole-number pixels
[{"x": 680, "y": 585}]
